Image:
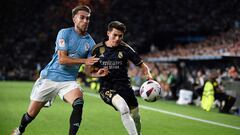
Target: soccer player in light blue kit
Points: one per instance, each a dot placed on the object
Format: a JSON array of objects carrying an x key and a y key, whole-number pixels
[{"x": 73, "y": 48}]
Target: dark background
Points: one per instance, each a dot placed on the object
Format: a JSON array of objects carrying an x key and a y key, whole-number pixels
[{"x": 29, "y": 27}]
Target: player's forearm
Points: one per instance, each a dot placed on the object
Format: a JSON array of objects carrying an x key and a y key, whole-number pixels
[
  {"x": 64, "y": 59},
  {"x": 88, "y": 70},
  {"x": 146, "y": 71},
  {"x": 92, "y": 71},
  {"x": 71, "y": 61},
  {"x": 94, "y": 74}
]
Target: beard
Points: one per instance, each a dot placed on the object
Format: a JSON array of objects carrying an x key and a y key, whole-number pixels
[{"x": 82, "y": 29}]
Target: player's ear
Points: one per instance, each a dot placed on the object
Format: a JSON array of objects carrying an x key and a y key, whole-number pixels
[
  {"x": 108, "y": 32},
  {"x": 74, "y": 19}
]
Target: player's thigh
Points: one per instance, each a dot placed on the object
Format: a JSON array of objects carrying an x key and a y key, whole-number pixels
[
  {"x": 130, "y": 98},
  {"x": 107, "y": 95},
  {"x": 70, "y": 91},
  {"x": 73, "y": 95},
  {"x": 44, "y": 90}
]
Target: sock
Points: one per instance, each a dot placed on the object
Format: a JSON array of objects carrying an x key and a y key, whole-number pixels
[
  {"x": 123, "y": 108},
  {"x": 129, "y": 123},
  {"x": 76, "y": 116},
  {"x": 26, "y": 119},
  {"x": 136, "y": 117}
]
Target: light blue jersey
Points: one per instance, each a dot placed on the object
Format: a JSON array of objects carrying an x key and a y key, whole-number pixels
[{"x": 77, "y": 46}]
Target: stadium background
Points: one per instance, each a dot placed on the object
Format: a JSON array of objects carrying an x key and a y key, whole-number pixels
[
  {"x": 28, "y": 28},
  {"x": 187, "y": 35}
]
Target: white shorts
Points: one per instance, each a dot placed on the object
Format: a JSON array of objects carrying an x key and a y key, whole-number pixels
[{"x": 45, "y": 90}]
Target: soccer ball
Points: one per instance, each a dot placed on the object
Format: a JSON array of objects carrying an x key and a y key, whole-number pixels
[{"x": 150, "y": 91}]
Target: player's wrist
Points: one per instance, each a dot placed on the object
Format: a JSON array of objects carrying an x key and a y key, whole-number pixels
[
  {"x": 149, "y": 77},
  {"x": 83, "y": 61}
]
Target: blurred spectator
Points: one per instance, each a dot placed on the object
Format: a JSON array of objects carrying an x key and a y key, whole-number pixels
[
  {"x": 214, "y": 91},
  {"x": 198, "y": 85},
  {"x": 30, "y": 36},
  {"x": 233, "y": 73}
]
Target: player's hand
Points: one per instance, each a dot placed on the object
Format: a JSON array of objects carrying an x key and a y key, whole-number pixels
[
  {"x": 102, "y": 72},
  {"x": 90, "y": 61},
  {"x": 149, "y": 77}
]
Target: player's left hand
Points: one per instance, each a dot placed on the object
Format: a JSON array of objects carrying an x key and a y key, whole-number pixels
[{"x": 102, "y": 72}]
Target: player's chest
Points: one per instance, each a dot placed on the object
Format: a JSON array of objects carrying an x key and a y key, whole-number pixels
[
  {"x": 112, "y": 54},
  {"x": 113, "y": 59},
  {"x": 78, "y": 48}
]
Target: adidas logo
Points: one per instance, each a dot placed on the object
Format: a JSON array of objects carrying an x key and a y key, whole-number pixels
[{"x": 76, "y": 124}]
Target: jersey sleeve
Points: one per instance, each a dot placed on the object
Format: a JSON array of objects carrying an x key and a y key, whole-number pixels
[
  {"x": 134, "y": 57},
  {"x": 61, "y": 41},
  {"x": 95, "y": 51}
]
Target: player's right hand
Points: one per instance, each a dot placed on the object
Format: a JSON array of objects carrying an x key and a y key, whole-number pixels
[
  {"x": 90, "y": 61},
  {"x": 149, "y": 77}
]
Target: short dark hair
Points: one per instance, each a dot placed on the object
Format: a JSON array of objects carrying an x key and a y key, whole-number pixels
[
  {"x": 117, "y": 25},
  {"x": 79, "y": 8}
]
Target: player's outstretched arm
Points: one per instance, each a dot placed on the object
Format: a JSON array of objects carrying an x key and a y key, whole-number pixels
[
  {"x": 65, "y": 59},
  {"x": 146, "y": 71}
]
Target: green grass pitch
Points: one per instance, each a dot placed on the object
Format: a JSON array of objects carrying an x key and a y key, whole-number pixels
[{"x": 101, "y": 119}]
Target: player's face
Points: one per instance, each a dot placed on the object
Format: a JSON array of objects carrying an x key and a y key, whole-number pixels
[
  {"x": 115, "y": 37},
  {"x": 81, "y": 21}
]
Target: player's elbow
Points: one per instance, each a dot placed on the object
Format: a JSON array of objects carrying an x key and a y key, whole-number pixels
[
  {"x": 61, "y": 61},
  {"x": 62, "y": 57}
]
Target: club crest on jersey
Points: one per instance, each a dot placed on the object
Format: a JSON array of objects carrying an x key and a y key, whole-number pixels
[
  {"x": 101, "y": 50},
  {"x": 120, "y": 55},
  {"x": 87, "y": 46},
  {"x": 61, "y": 42}
]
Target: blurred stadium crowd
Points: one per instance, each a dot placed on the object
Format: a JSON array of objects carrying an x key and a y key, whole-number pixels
[{"x": 29, "y": 28}]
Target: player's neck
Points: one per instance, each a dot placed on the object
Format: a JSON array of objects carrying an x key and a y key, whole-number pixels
[
  {"x": 109, "y": 44},
  {"x": 79, "y": 32}
]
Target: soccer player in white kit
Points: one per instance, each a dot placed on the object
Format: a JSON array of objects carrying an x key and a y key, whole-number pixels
[{"x": 73, "y": 48}]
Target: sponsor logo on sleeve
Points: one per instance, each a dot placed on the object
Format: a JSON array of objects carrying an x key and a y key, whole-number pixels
[{"x": 61, "y": 43}]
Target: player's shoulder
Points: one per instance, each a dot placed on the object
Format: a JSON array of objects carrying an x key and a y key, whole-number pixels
[
  {"x": 126, "y": 46},
  {"x": 65, "y": 31},
  {"x": 89, "y": 38},
  {"x": 98, "y": 45}
]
